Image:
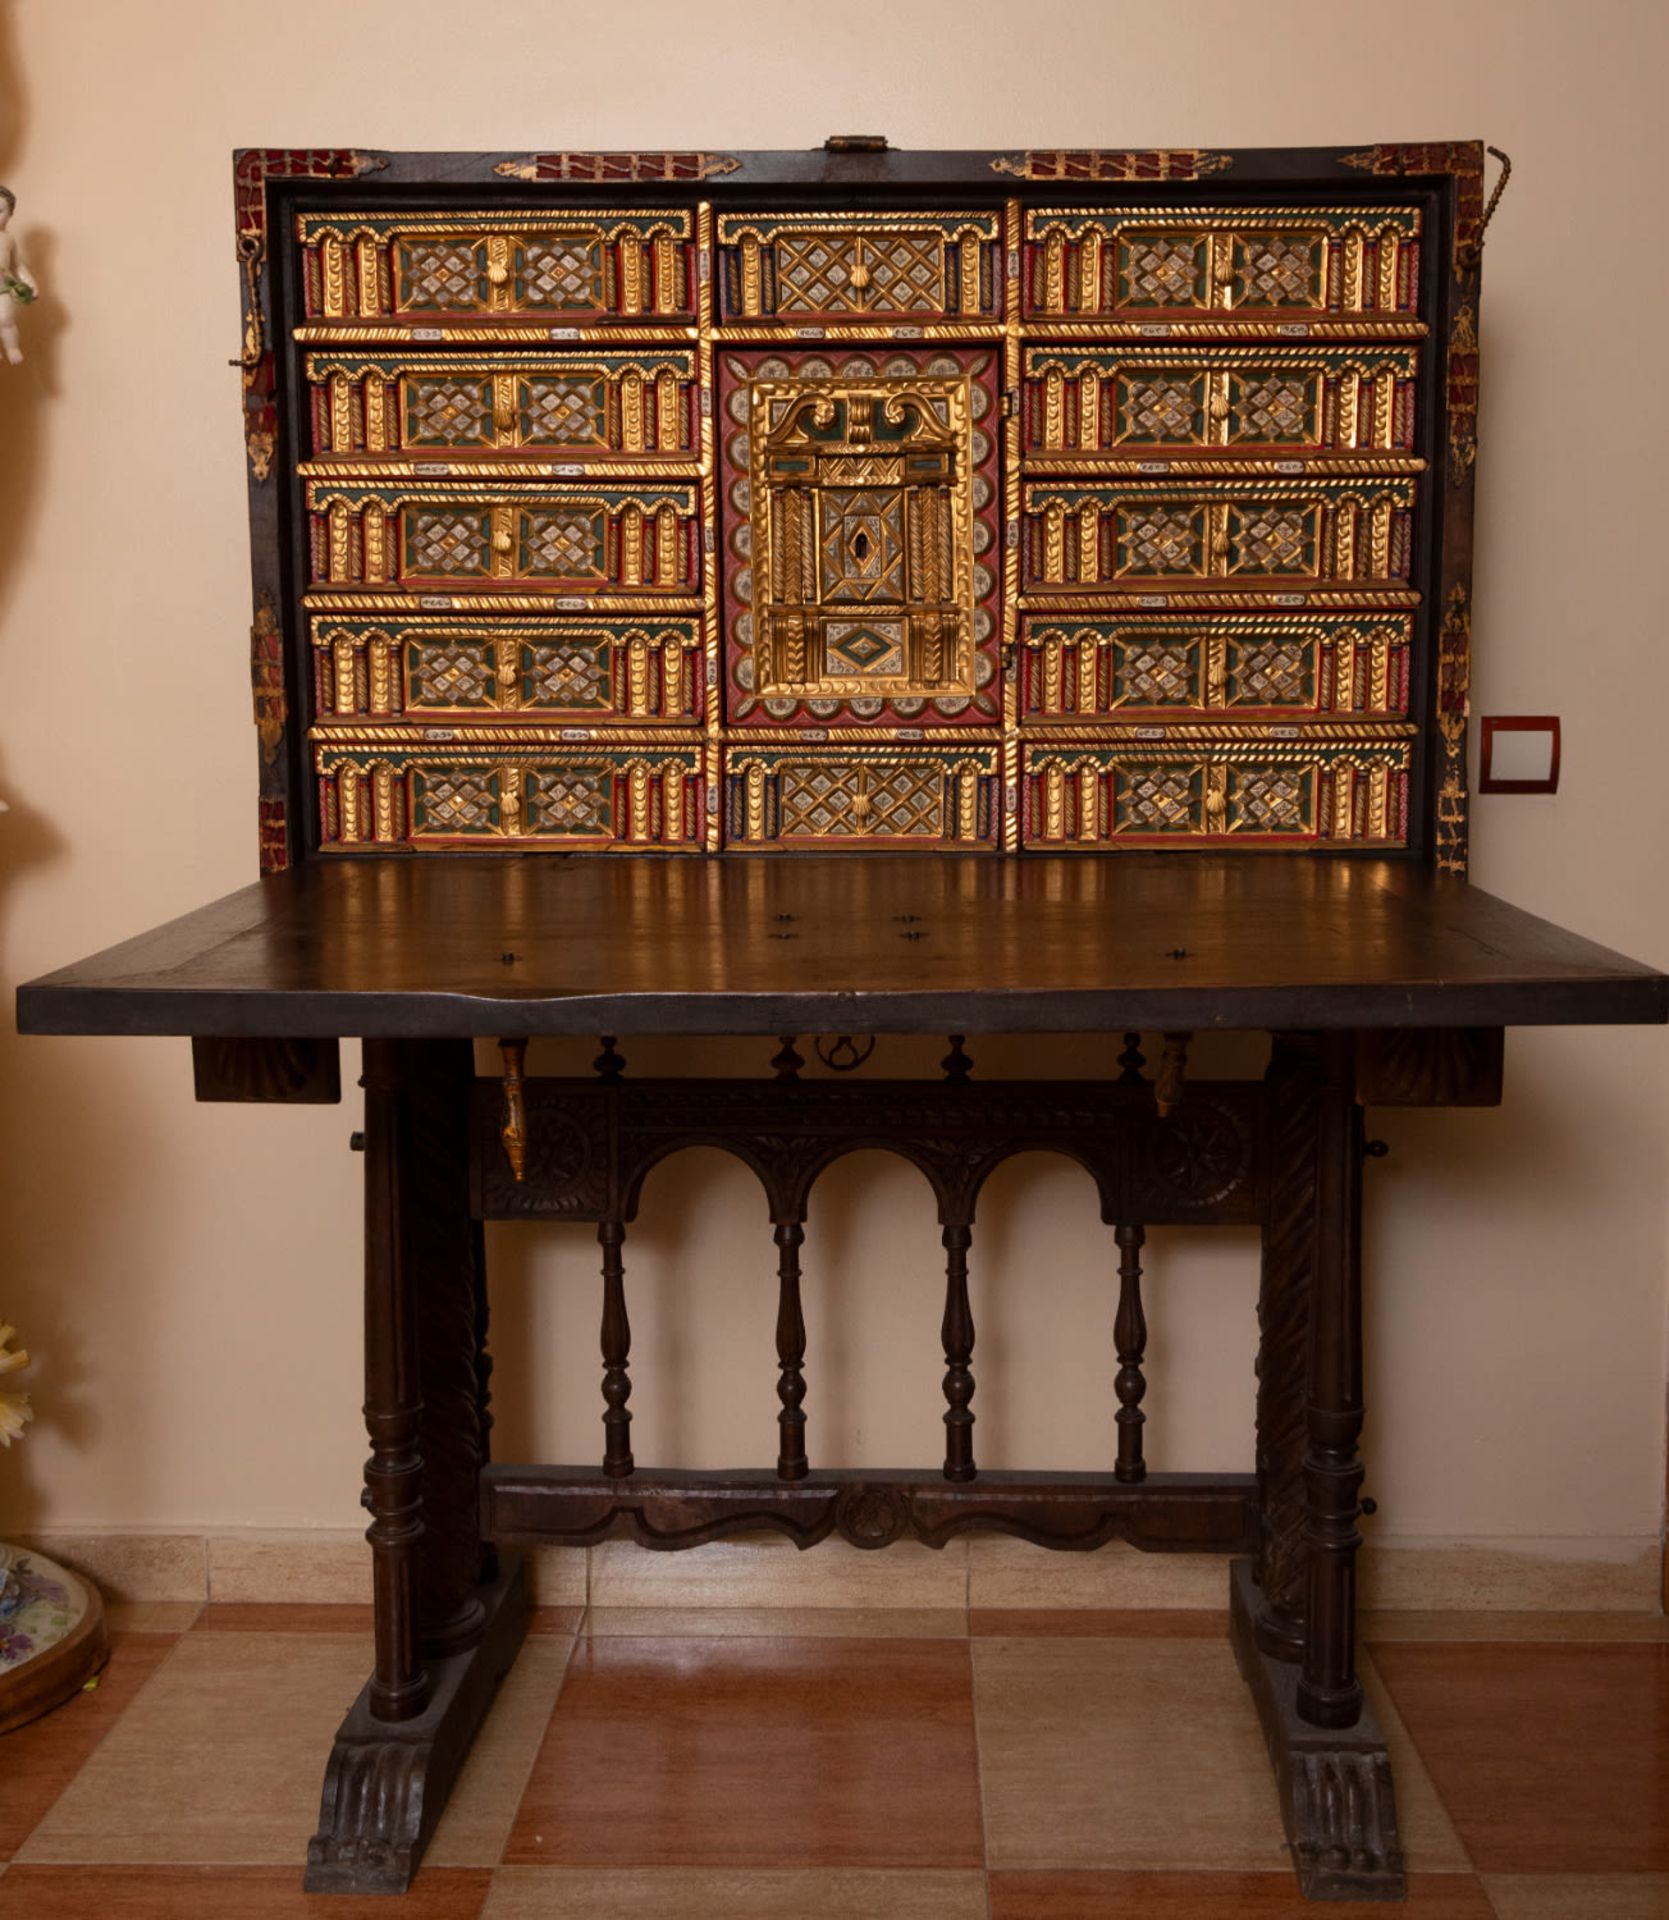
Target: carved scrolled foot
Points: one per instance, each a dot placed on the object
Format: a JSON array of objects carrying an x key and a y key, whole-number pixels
[
  {"x": 386, "y": 1782},
  {"x": 1337, "y": 1797}
]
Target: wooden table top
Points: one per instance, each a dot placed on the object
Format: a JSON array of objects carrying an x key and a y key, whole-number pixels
[{"x": 854, "y": 944}]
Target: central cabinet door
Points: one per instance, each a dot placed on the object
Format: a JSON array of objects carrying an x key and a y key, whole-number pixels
[{"x": 862, "y": 527}]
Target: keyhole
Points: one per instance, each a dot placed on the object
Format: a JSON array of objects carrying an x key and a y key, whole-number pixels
[{"x": 860, "y": 545}]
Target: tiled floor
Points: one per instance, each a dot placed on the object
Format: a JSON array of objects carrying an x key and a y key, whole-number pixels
[{"x": 751, "y": 1764}]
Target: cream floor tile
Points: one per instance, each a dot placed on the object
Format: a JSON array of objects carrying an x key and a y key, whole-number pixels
[
  {"x": 150, "y": 1616},
  {"x": 1004, "y": 1572},
  {"x": 1121, "y": 1753},
  {"x": 558, "y": 1576},
  {"x": 133, "y": 1566},
  {"x": 654, "y": 1893},
  {"x": 1429, "y": 1841},
  {"x": 331, "y": 1568},
  {"x": 1396, "y": 1575},
  {"x": 772, "y": 1572},
  {"x": 479, "y": 1815},
  {"x": 747, "y": 1623},
  {"x": 1578, "y": 1896},
  {"x": 1461, "y": 1624},
  {"x": 218, "y": 1761}
]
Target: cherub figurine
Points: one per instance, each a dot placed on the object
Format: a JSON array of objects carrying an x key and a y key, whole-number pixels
[{"x": 17, "y": 283}]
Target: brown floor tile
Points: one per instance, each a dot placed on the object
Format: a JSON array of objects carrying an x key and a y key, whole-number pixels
[
  {"x": 229, "y": 1893},
  {"x": 151, "y": 1616},
  {"x": 1558, "y": 1629},
  {"x": 254, "y": 1616},
  {"x": 41, "y": 1759},
  {"x": 760, "y": 1753},
  {"x": 1085, "y": 1623},
  {"x": 1214, "y": 1896},
  {"x": 778, "y": 1623},
  {"x": 1430, "y": 1843},
  {"x": 555, "y": 1619},
  {"x": 1122, "y": 1753},
  {"x": 732, "y": 1893},
  {"x": 1549, "y": 1759},
  {"x": 1570, "y": 1896}
]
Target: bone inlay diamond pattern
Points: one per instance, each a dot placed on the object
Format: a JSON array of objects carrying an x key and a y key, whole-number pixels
[
  {"x": 464, "y": 801},
  {"x": 1158, "y": 675},
  {"x": 455, "y": 675},
  {"x": 1278, "y": 270},
  {"x": 449, "y": 413},
  {"x": 863, "y": 544},
  {"x": 1162, "y": 538},
  {"x": 881, "y": 273},
  {"x": 440, "y": 273},
  {"x": 845, "y": 800},
  {"x": 565, "y": 412},
  {"x": 564, "y": 676},
  {"x": 444, "y": 541},
  {"x": 568, "y": 543},
  {"x": 1266, "y": 539},
  {"x": 1161, "y": 409},
  {"x": 1162, "y": 270},
  {"x": 875, "y": 647},
  {"x": 560, "y": 273},
  {"x": 575, "y": 801},
  {"x": 1273, "y": 407},
  {"x": 1269, "y": 799},
  {"x": 1157, "y": 799},
  {"x": 1274, "y": 673}
]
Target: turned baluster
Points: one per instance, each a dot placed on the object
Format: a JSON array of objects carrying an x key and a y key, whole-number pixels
[
  {"x": 1131, "y": 1061},
  {"x": 791, "y": 1352},
  {"x": 1173, "y": 1068},
  {"x": 617, "y": 1347},
  {"x": 957, "y": 1334},
  {"x": 1130, "y": 1338}
]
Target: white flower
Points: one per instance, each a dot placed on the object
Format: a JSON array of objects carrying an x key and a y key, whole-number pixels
[{"x": 14, "y": 1407}]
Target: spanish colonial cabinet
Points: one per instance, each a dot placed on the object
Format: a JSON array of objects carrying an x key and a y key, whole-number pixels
[{"x": 814, "y": 596}]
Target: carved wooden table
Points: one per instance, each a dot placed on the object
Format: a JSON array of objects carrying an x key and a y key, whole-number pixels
[{"x": 1379, "y": 981}]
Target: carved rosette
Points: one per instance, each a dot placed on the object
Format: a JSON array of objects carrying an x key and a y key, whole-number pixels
[{"x": 872, "y": 1514}]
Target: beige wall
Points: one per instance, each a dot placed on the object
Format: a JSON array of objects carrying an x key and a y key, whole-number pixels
[{"x": 187, "y": 1277}]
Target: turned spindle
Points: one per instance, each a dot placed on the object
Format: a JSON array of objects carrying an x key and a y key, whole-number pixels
[
  {"x": 957, "y": 1334},
  {"x": 958, "y": 1063},
  {"x": 1131, "y": 1062},
  {"x": 791, "y": 1352},
  {"x": 1130, "y": 1339},
  {"x": 788, "y": 1060},
  {"x": 617, "y": 1347},
  {"x": 609, "y": 1065}
]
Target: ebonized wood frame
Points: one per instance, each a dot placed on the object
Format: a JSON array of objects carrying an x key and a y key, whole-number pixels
[{"x": 1285, "y": 1152}]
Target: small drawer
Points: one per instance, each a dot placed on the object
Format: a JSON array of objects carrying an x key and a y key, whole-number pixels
[
  {"x": 572, "y": 266},
  {"x": 888, "y": 795},
  {"x": 859, "y": 266},
  {"x": 1287, "y": 263},
  {"x": 490, "y": 787},
  {"x": 478, "y": 534},
  {"x": 555, "y": 405},
  {"x": 594, "y": 671},
  {"x": 1177, "y": 665},
  {"x": 1147, "y": 403},
  {"x": 1127, "y": 536},
  {"x": 1209, "y": 786}
]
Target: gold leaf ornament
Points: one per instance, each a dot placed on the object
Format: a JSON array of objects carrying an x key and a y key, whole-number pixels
[{"x": 15, "y": 1410}]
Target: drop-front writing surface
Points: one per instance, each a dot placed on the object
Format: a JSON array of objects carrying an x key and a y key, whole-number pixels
[{"x": 1086, "y": 519}]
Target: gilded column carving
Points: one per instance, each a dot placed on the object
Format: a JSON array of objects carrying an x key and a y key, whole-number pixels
[
  {"x": 1089, "y": 410},
  {"x": 669, "y": 436},
  {"x": 370, "y": 278},
  {"x": 1089, "y": 802},
  {"x": 374, "y": 532},
  {"x": 343, "y": 657},
  {"x": 1089, "y": 543},
  {"x": 380, "y": 674},
  {"x": 631, "y": 547},
  {"x": 666, "y": 546},
  {"x": 1089, "y": 655},
  {"x": 672, "y": 802},
  {"x": 333, "y": 277},
  {"x": 755, "y": 789}
]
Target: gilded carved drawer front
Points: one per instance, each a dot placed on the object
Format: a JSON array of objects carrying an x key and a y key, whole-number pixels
[
  {"x": 928, "y": 795},
  {"x": 1172, "y": 666},
  {"x": 1141, "y": 404},
  {"x": 1129, "y": 535},
  {"x": 862, "y": 563},
  {"x": 463, "y": 534},
  {"x": 1164, "y": 786},
  {"x": 1286, "y": 263},
  {"x": 574, "y": 266},
  {"x": 389, "y": 787},
  {"x": 859, "y": 265},
  {"x": 643, "y": 670},
  {"x": 560, "y": 405}
]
